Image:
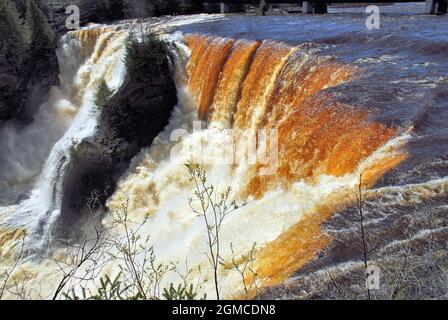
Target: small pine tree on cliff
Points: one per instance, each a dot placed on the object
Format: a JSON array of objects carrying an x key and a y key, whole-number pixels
[
  {"x": 145, "y": 55},
  {"x": 103, "y": 94}
]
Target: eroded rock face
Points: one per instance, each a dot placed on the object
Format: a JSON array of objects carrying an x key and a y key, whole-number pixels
[{"x": 131, "y": 120}]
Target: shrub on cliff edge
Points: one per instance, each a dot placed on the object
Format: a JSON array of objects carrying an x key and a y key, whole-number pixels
[
  {"x": 102, "y": 94},
  {"x": 149, "y": 87},
  {"x": 145, "y": 55}
]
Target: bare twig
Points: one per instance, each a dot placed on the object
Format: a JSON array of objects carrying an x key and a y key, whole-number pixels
[{"x": 13, "y": 268}]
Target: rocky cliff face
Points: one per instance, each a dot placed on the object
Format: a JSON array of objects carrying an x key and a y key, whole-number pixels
[
  {"x": 23, "y": 90},
  {"x": 130, "y": 120}
]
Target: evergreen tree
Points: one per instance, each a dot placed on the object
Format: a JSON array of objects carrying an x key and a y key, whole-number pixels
[
  {"x": 103, "y": 94},
  {"x": 146, "y": 55},
  {"x": 42, "y": 35},
  {"x": 14, "y": 34}
]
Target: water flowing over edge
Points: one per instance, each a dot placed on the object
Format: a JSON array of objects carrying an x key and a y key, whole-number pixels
[{"x": 229, "y": 83}]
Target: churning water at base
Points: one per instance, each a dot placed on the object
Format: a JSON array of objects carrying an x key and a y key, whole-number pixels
[
  {"x": 323, "y": 148},
  {"x": 325, "y": 111}
]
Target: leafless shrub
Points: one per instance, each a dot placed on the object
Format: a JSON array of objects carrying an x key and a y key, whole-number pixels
[
  {"x": 213, "y": 207},
  {"x": 244, "y": 266}
]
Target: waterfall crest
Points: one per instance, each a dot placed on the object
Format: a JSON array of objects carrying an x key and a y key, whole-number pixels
[
  {"x": 323, "y": 146},
  {"x": 247, "y": 85}
]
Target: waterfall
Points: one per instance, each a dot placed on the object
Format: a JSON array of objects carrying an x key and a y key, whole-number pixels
[
  {"x": 85, "y": 58},
  {"x": 37, "y": 157},
  {"x": 323, "y": 148},
  {"x": 223, "y": 84}
]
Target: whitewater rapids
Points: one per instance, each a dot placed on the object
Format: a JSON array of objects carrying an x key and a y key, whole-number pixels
[{"x": 324, "y": 146}]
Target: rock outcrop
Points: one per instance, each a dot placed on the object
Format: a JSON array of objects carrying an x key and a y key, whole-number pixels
[{"x": 130, "y": 120}]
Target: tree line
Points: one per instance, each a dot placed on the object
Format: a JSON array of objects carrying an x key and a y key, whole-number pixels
[{"x": 24, "y": 37}]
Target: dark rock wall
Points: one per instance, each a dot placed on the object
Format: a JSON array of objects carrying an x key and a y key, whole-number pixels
[
  {"x": 131, "y": 120},
  {"x": 23, "y": 90}
]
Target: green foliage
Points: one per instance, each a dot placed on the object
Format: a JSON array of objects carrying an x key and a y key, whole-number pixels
[
  {"x": 164, "y": 7},
  {"x": 73, "y": 153},
  {"x": 109, "y": 289},
  {"x": 113, "y": 289},
  {"x": 103, "y": 94},
  {"x": 15, "y": 35},
  {"x": 42, "y": 35},
  {"x": 73, "y": 148},
  {"x": 182, "y": 292},
  {"x": 146, "y": 55}
]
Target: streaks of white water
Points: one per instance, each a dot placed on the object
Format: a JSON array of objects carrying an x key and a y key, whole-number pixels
[
  {"x": 158, "y": 186},
  {"x": 74, "y": 117},
  {"x": 40, "y": 211},
  {"x": 24, "y": 150}
]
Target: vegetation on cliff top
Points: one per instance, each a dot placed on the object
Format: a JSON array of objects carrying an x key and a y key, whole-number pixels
[
  {"x": 27, "y": 58},
  {"x": 15, "y": 38},
  {"x": 145, "y": 55},
  {"x": 103, "y": 94},
  {"x": 129, "y": 117},
  {"x": 20, "y": 37}
]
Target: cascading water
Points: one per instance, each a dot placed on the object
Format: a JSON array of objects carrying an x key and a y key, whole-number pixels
[
  {"x": 323, "y": 147},
  {"x": 85, "y": 58}
]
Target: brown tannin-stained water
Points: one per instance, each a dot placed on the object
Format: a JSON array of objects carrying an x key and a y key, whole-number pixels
[{"x": 342, "y": 101}]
